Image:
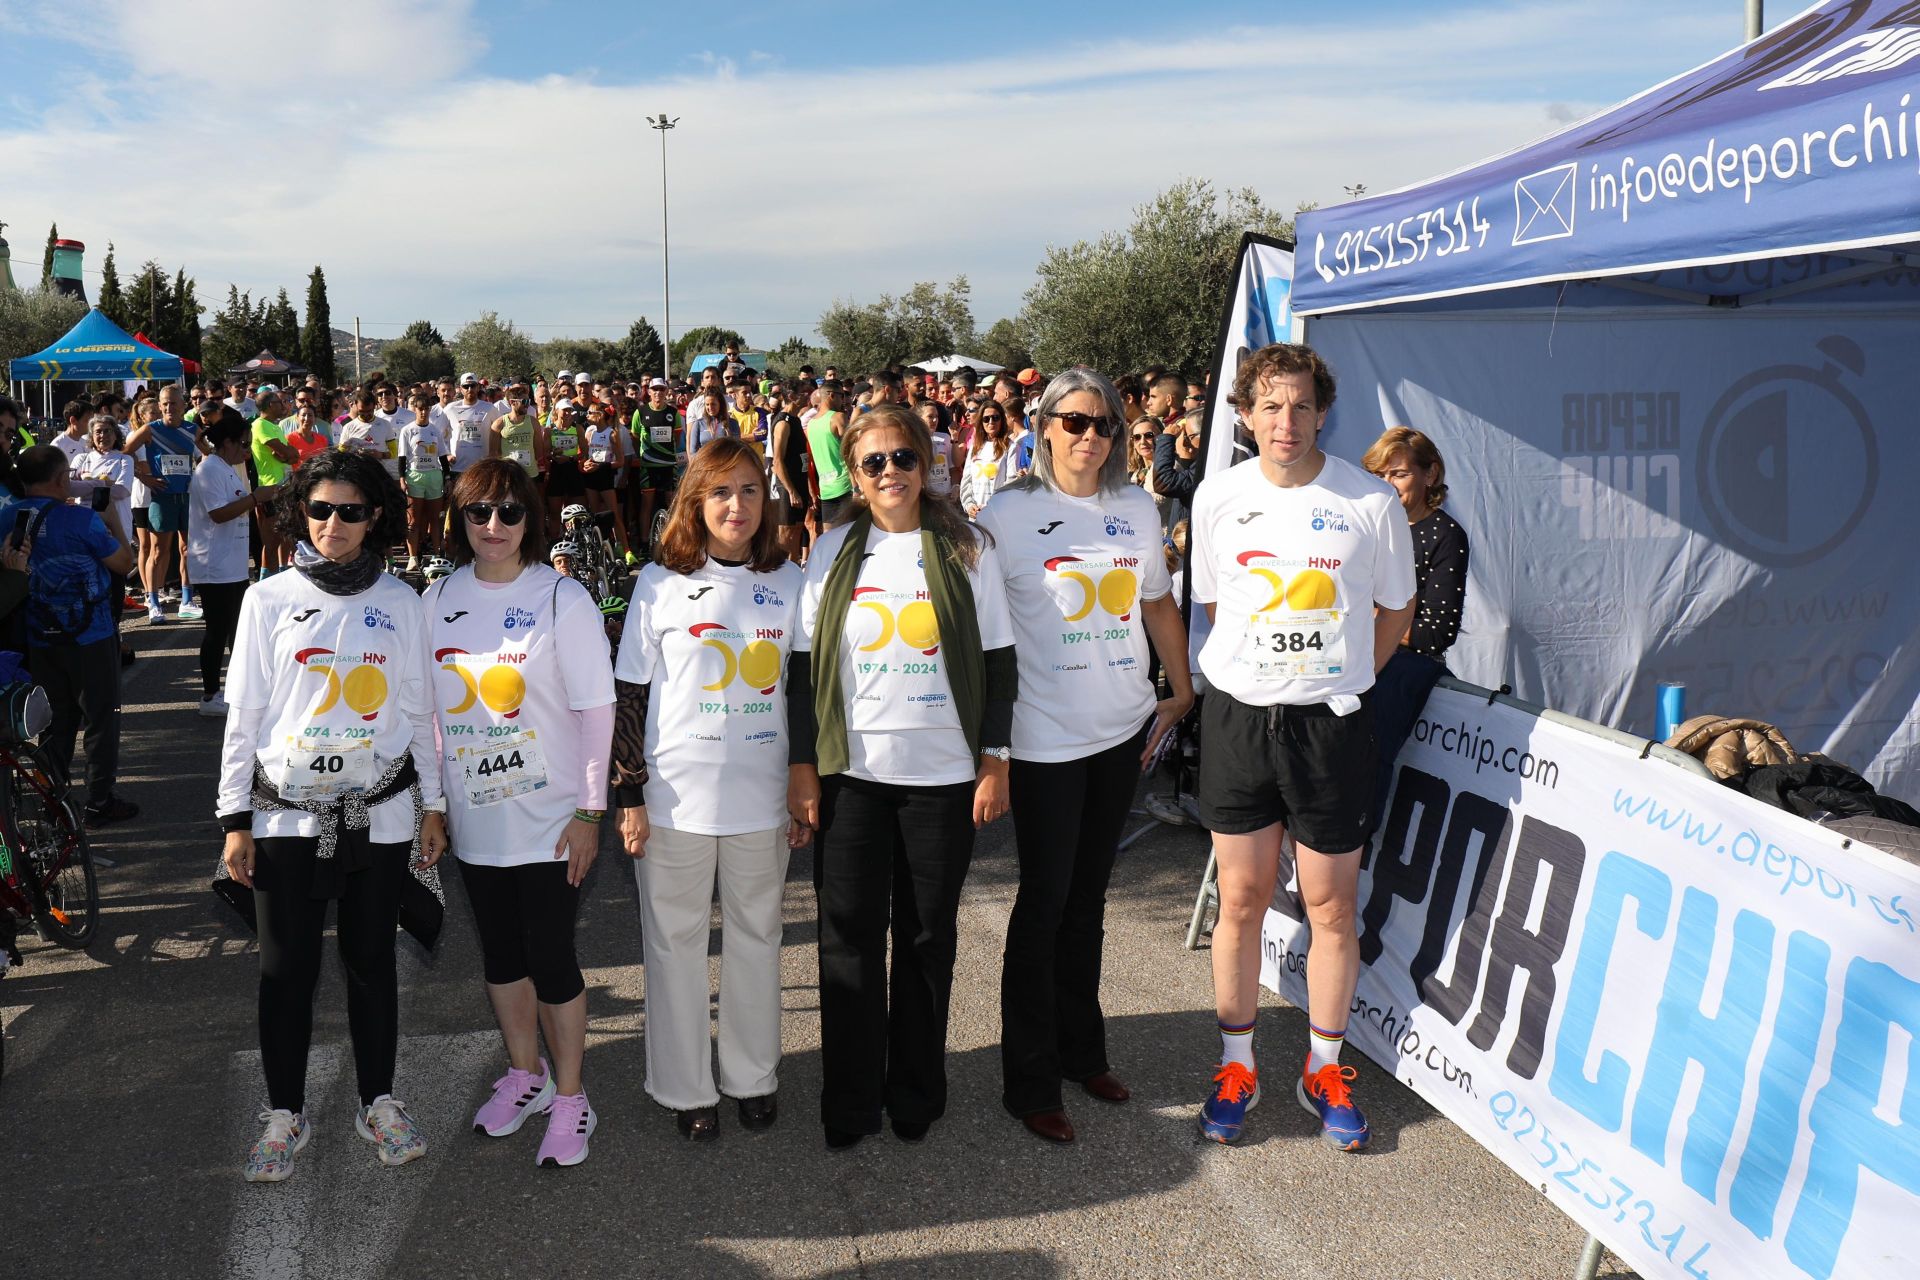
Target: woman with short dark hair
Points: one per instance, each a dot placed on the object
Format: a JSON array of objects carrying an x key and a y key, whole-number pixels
[{"x": 327, "y": 789}]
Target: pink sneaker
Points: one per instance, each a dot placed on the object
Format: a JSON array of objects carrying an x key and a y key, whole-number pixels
[
  {"x": 570, "y": 1122},
  {"x": 516, "y": 1095}
]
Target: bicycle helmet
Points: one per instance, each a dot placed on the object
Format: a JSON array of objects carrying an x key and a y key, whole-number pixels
[
  {"x": 562, "y": 548},
  {"x": 574, "y": 511},
  {"x": 613, "y": 607}
]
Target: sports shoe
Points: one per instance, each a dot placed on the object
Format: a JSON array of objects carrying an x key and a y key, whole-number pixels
[
  {"x": 1236, "y": 1091},
  {"x": 271, "y": 1158},
  {"x": 386, "y": 1123},
  {"x": 516, "y": 1095},
  {"x": 155, "y": 614},
  {"x": 214, "y": 708},
  {"x": 1328, "y": 1096},
  {"x": 190, "y": 611},
  {"x": 570, "y": 1122},
  {"x": 170, "y": 595},
  {"x": 112, "y": 809}
]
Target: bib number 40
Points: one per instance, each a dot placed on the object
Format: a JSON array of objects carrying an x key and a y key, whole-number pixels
[{"x": 326, "y": 764}]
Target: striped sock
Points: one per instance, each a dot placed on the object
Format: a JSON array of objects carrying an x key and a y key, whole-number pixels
[
  {"x": 1323, "y": 1047},
  {"x": 1236, "y": 1045}
]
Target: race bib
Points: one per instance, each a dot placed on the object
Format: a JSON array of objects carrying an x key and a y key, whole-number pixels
[
  {"x": 323, "y": 770},
  {"x": 505, "y": 767},
  {"x": 1308, "y": 644},
  {"x": 524, "y": 458},
  {"x": 661, "y": 433},
  {"x": 175, "y": 464}
]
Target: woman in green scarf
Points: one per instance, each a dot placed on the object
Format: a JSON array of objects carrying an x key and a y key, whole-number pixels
[{"x": 900, "y": 695}]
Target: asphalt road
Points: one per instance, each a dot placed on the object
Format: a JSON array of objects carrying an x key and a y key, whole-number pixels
[{"x": 132, "y": 1085}]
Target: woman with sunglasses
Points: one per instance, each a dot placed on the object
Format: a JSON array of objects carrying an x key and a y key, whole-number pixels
[
  {"x": 1087, "y": 583},
  {"x": 901, "y": 711},
  {"x": 701, "y": 774},
  {"x": 525, "y": 705},
  {"x": 328, "y": 790},
  {"x": 989, "y": 464}
]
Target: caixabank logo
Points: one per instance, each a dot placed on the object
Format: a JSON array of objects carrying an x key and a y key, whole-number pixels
[{"x": 1788, "y": 459}]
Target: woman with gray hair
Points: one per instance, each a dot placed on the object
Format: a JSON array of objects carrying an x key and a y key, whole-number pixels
[{"x": 1087, "y": 583}]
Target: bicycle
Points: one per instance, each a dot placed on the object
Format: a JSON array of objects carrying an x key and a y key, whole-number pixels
[
  {"x": 592, "y": 563},
  {"x": 46, "y": 865}
]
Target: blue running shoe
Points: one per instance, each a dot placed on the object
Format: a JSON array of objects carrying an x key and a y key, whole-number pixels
[
  {"x": 1236, "y": 1091},
  {"x": 1328, "y": 1096}
]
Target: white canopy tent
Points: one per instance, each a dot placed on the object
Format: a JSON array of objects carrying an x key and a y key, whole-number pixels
[{"x": 947, "y": 364}]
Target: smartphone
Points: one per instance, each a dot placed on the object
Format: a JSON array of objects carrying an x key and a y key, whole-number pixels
[
  {"x": 102, "y": 498},
  {"x": 21, "y": 519}
]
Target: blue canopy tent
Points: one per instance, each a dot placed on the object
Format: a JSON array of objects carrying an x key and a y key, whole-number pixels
[
  {"x": 97, "y": 350},
  {"x": 1667, "y": 354}
]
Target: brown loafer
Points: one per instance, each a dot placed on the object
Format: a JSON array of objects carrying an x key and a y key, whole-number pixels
[
  {"x": 1107, "y": 1087},
  {"x": 1051, "y": 1125}
]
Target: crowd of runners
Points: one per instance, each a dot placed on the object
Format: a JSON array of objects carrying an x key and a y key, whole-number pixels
[{"x": 868, "y": 615}]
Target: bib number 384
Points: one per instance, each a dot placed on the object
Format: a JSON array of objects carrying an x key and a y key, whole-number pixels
[
  {"x": 1307, "y": 644},
  {"x": 503, "y": 768},
  {"x": 317, "y": 769}
]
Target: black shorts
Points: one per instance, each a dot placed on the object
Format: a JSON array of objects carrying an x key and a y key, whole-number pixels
[
  {"x": 652, "y": 478},
  {"x": 564, "y": 479},
  {"x": 140, "y": 521},
  {"x": 794, "y": 506},
  {"x": 1302, "y": 766},
  {"x": 600, "y": 479}
]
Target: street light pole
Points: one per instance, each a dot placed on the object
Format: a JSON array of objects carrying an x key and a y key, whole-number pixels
[
  {"x": 661, "y": 124},
  {"x": 1755, "y": 22}
]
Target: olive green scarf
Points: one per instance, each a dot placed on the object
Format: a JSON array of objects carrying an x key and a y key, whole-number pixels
[{"x": 959, "y": 636}]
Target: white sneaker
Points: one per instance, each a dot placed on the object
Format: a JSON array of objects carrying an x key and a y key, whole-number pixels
[
  {"x": 214, "y": 708},
  {"x": 190, "y": 611},
  {"x": 271, "y": 1158},
  {"x": 155, "y": 614},
  {"x": 385, "y": 1122}
]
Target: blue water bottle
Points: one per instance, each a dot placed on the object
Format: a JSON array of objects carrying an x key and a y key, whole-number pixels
[{"x": 1673, "y": 709}]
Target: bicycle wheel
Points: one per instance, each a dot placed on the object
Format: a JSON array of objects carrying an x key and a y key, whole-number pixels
[{"x": 53, "y": 848}]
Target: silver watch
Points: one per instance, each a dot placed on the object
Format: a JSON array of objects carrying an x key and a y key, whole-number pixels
[{"x": 1002, "y": 754}]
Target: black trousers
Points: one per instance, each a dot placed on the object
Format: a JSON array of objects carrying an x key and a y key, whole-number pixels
[
  {"x": 291, "y": 923},
  {"x": 1399, "y": 696},
  {"x": 888, "y": 859},
  {"x": 525, "y": 918},
  {"x": 1067, "y": 819},
  {"x": 83, "y": 687},
  {"x": 221, "y": 603}
]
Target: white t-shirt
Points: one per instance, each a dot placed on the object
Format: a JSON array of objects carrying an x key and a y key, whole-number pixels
[
  {"x": 902, "y": 725},
  {"x": 380, "y": 433},
  {"x": 1295, "y": 574},
  {"x": 988, "y": 467},
  {"x": 467, "y": 431},
  {"x": 602, "y": 444},
  {"x": 940, "y": 480},
  {"x": 422, "y": 447},
  {"x": 713, "y": 644},
  {"x": 1077, "y": 571},
  {"x": 513, "y": 663},
  {"x": 344, "y": 685},
  {"x": 216, "y": 551},
  {"x": 72, "y": 446},
  {"x": 244, "y": 407},
  {"x": 110, "y": 469}
]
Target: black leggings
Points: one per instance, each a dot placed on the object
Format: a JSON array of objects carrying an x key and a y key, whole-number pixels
[
  {"x": 525, "y": 917},
  {"x": 1067, "y": 819},
  {"x": 221, "y": 602},
  {"x": 291, "y": 923}
]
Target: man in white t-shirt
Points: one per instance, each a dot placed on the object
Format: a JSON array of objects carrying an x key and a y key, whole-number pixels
[
  {"x": 469, "y": 423},
  {"x": 242, "y": 403},
  {"x": 1305, "y": 566}
]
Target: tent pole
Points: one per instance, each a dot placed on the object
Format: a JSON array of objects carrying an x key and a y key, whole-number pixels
[{"x": 1756, "y": 21}]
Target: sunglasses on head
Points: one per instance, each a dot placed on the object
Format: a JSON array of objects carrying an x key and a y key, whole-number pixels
[
  {"x": 478, "y": 513},
  {"x": 348, "y": 512},
  {"x": 904, "y": 460},
  {"x": 1077, "y": 424}
]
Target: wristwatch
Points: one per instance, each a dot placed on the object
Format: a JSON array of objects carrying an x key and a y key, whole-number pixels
[{"x": 1002, "y": 754}]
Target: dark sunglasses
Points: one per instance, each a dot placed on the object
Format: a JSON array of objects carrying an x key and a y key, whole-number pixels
[
  {"x": 904, "y": 461},
  {"x": 349, "y": 512},
  {"x": 1143, "y": 435},
  {"x": 1077, "y": 424},
  {"x": 992, "y": 417},
  {"x": 478, "y": 513}
]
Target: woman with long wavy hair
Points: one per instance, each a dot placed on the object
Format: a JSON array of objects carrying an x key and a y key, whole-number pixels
[{"x": 901, "y": 707}]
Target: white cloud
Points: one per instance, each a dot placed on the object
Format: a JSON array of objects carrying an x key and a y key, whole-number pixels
[{"x": 435, "y": 191}]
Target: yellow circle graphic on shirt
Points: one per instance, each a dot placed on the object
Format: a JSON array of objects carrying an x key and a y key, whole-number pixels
[
  {"x": 725, "y": 651},
  {"x": 881, "y": 612},
  {"x": 365, "y": 690},
  {"x": 1279, "y": 585},
  {"x": 1117, "y": 590},
  {"x": 1312, "y": 589},
  {"x": 919, "y": 627},
  {"x": 503, "y": 689},
  {"x": 760, "y": 664}
]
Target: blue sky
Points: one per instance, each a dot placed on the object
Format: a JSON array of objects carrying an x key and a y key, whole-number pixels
[{"x": 441, "y": 157}]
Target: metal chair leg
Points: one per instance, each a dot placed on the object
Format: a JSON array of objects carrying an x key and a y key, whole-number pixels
[
  {"x": 1589, "y": 1260},
  {"x": 1209, "y": 889}
]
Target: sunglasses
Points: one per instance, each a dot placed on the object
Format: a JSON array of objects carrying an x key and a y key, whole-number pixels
[
  {"x": 904, "y": 461},
  {"x": 1077, "y": 424},
  {"x": 510, "y": 513},
  {"x": 992, "y": 417},
  {"x": 1143, "y": 435},
  {"x": 349, "y": 512}
]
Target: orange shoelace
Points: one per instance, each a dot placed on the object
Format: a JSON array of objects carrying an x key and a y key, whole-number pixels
[
  {"x": 1236, "y": 1081},
  {"x": 1330, "y": 1082}
]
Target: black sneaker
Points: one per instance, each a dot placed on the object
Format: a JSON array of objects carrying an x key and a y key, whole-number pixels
[{"x": 114, "y": 809}]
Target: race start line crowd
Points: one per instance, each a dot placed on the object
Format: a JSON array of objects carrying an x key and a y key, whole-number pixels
[{"x": 874, "y": 617}]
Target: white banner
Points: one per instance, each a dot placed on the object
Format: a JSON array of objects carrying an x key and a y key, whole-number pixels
[{"x": 1688, "y": 1018}]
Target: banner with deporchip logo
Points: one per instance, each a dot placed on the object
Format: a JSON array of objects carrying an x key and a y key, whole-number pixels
[{"x": 1688, "y": 1018}]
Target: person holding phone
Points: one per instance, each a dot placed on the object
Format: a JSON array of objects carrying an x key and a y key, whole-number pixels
[{"x": 1087, "y": 585}]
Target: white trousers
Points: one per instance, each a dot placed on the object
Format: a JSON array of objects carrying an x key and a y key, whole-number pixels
[{"x": 676, "y": 901}]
